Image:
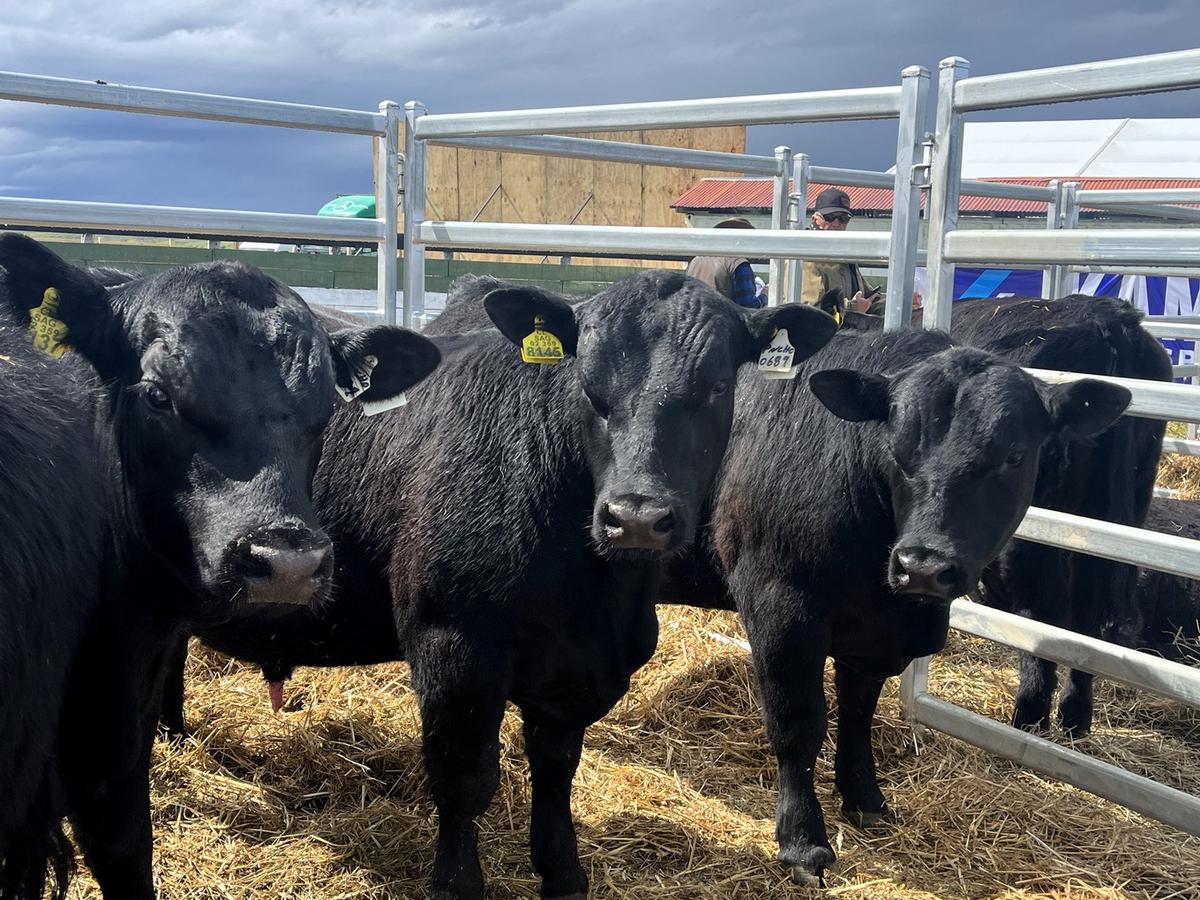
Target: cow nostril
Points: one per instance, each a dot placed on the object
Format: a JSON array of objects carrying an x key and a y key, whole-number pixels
[
  {"x": 948, "y": 576},
  {"x": 610, "y": 518},
  {"x": 665, "y": 524}
]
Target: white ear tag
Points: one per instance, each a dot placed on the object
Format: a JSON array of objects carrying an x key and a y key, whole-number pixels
[
  {"x": 375, "y": 407},
  {"x": 360, "y": 379},
  {"x": 777, "y": 360}
]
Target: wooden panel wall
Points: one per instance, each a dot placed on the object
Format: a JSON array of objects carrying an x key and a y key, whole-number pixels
[{"x": 547, "y": 189}]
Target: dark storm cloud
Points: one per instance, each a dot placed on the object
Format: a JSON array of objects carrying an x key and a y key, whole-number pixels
[{"x": 494, "y": 55}]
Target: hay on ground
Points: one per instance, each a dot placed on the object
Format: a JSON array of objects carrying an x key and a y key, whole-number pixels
[{"x": 674, "y": 798}]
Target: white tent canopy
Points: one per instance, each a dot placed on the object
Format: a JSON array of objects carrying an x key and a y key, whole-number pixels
[{"x": 1103, "y": 148}]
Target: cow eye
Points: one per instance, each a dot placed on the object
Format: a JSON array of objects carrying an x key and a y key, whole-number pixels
[
  {"x": 719, "y": 389},
  {"x": 1014, "y": 459},
  {"x": 157, "y": 398}
]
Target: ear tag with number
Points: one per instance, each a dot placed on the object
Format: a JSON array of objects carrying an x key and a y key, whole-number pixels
[
  {"x": 360, "y": 378},
  {"x": 777, "y": 360},
  {"x": 47, "y": 332},
  {"x": 541, "y": 346}
]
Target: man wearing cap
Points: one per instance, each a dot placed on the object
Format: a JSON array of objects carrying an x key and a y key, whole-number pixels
[
  {"x": 833, "y": 214},
  {"x": 731, "y": 276}
]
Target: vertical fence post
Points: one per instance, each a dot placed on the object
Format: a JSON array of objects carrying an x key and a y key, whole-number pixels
[
  {"x": 1068, "y": 218},
  {"x": 797, "y": 220},
  {"x": 414, "y": 214},
  {"x": 1054, "y": 221},
  {"x": 387, "y": 181},
  {"x": 945, "y": 180},
  {"x": 913, "y": 683},
  {"x": 902, "y": 257},
  {"x": 777, "y": 272}
]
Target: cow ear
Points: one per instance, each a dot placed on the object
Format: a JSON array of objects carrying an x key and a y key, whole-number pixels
[
  {"x": 375, "y": 366},
  {"x": 1084, "y": 408},
  {"x": 518, "y": 312},
  {"x": 808, "y": 329},
  {"x": 833, "y": 301},
  {"x": 850, "y": 395},
  {"x": 63, "y": 306}
]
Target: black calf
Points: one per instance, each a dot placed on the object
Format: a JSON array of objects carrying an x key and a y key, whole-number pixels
[{"x": 850, "y": 542}]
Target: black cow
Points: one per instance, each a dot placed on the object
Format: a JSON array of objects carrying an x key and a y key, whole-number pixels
[
  {"x": 212, "y": 385},
  {"x": 53, "y": 498},
  {"x": 843, "y": 535},
  {"x": 522, "y": 554},
  {"x": 1169, "y": 605},
  {"x": 1108, "y": 477}
]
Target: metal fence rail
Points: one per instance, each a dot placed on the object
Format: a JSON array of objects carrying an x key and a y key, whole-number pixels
[
  {"x": 1063, "y": 247},
  {"x": 383, "y": 126},
  {"x": 536, "y": 130},
  {"x": 625, "y": 152},
  {"x": 765, "y": 109}
]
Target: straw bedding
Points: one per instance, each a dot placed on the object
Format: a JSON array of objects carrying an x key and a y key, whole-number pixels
[{"x": 674, "y": 797}]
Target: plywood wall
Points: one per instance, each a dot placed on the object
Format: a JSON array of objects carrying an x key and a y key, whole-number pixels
[{"x": 552, "y": 190}]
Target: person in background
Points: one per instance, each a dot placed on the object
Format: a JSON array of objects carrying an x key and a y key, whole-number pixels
[
  {"x": 731, "y": 276},
  {"x": 832, "y": 213}
]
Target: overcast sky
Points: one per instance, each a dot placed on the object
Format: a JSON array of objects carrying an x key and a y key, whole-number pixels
[{"x": 498, "y": 55}]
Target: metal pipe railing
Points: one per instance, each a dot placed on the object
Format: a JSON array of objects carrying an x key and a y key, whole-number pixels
[
  {"x": 187, "y": 104},
  {"x": 620, "y": 152},
  {"x": 580, "y": 239},
  {"x": 1100, "y": 778},
  {"x": 21, "y": 211},
  {"x": 1085, "y": 81},
  {"x": 1124, "y": 246},
  {"x": 765, "y": 109},
  {"x": 1168, "y": 329},
  {"x": 1124, "y": 196}
]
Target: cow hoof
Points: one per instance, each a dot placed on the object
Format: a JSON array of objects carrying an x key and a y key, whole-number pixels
[
  {"x": 1075, "y": 719},
  {"x": 868, "y": 818},
  {"x": 809, "y": 870}
]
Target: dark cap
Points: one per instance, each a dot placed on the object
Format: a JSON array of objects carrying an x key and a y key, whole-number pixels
[
  {"x": 833, "y": 200},
  {"x": 734, "y": 223}
]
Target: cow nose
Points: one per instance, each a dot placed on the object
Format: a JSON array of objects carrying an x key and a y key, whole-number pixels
[
  {"x": 279, "y": 571},
  {"x": 916, "y": 570},
  {"x": 638, "y": 523}
]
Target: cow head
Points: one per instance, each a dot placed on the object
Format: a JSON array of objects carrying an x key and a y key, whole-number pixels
[
  {"x": 219, "y": 382},
  {"x": 657, "y": 357},
  {"x": 964, "y": 431}
]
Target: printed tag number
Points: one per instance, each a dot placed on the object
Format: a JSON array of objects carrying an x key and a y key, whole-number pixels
[
  {"x": 540, "y": 346},
  {"x": 777, "y": 360}
]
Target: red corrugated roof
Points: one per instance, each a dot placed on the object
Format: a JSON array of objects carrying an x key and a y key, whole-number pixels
[{"x": 731, "y": 194}]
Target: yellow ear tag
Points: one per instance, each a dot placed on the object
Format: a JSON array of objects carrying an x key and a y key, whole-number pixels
[
  {"x": 541, "y": 346},
  {"x": 776, "y": 361},
  {"x": 46, "y": 331},
  {"x": 837, "y": 316}
]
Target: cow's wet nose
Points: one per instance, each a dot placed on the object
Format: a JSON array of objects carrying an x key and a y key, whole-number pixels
[
  {"x": 282, "y": 569},
  {"x": 916, "y": 570},
  {"x": 638, "y": 523}
]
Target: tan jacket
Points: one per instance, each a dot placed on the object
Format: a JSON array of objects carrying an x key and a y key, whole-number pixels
[
  {"x": 716, "y": 271},
  {"x": 820, "y": 277}
]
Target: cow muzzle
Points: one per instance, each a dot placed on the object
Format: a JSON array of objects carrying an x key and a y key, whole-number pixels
[
  {"x": 283, "y": 566},
  {"x": 920, "y": 570},
  {"x": 638, "y": 522}
]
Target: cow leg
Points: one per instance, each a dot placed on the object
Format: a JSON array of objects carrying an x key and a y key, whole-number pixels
[
  {"x": 854, "y": 765},
  {"x": 1102, "y": 593},
  {"x": 171, "y": 717},
  {"x": 553, "y": 754},
  {"x": 1035, "y": 692},
  {"x": 110, "y": 815},
  {"x": 462, "y": 692},
  {"x": 1033, "y": 581},
  {"x": 789, "y": 656}
]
